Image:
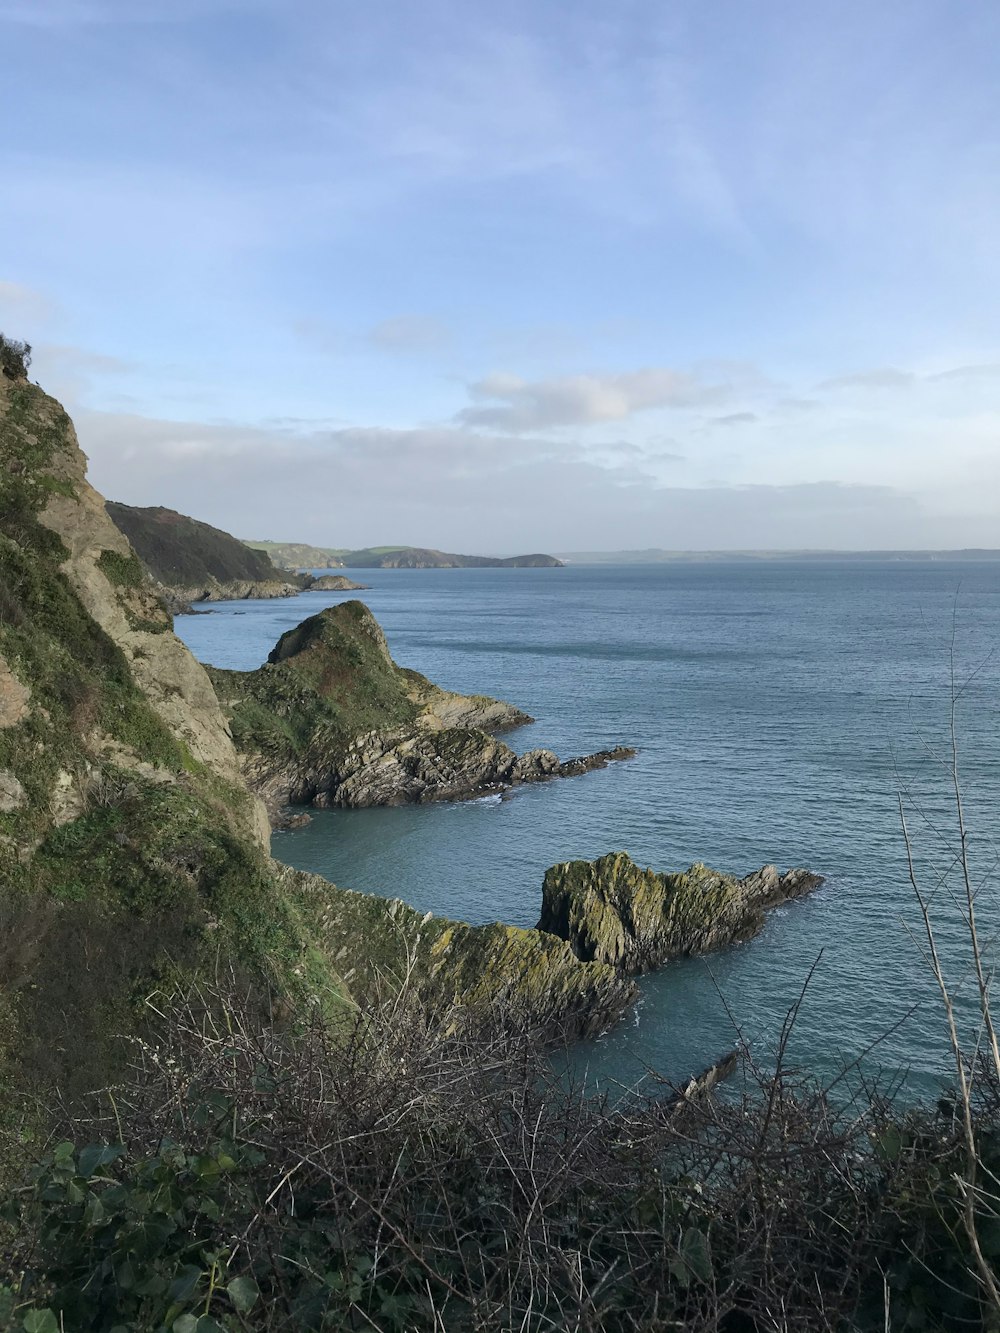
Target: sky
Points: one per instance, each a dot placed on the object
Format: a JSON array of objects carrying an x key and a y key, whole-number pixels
[{"x": 517, "y": 276}]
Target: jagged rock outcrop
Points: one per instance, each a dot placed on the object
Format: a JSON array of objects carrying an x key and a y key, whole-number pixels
[
  {"x": 333, "y": 720},
  {"x": 335, "y": 583},
  {"x": 378, "y": 943},
  {"x": 611, "y": 911},
  {"x": 233, "y": 590}
]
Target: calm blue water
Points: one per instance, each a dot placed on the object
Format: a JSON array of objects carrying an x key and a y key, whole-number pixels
[{"x": 778, "y": 709}]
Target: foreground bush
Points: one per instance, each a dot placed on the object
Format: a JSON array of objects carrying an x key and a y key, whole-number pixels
[{"x": 445, "y": 1180}]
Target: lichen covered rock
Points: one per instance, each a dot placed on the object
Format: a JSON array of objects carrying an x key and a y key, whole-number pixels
[
  {"x": 611, "y": 911},
  {"x": 379, "y": 945}
]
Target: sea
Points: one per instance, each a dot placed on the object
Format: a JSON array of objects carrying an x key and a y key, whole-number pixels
[{"x": 790, "y": 712}]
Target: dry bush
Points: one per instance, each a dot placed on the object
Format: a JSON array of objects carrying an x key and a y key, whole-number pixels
[{"x": 408, "y": 1177}]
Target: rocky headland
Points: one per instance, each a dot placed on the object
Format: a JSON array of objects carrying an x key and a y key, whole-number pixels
[
  {"x": 193, "y": 562},
  {"x": 297, "y": 555},
  {"x": 611, "y": 911},
  {"x": 331, "y": 720},
  {"x": 422, "y": 557}
]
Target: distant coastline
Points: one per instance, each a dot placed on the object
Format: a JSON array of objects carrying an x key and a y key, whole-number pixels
[{"x": 655, "y": 556}]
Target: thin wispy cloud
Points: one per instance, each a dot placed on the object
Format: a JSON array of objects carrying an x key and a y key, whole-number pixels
[
  {"x": 410, "y": 333},
  {"x": 511, "y": 403},
  {"x": 883, "y": 378},
  {"x": 736, "y": 419}
]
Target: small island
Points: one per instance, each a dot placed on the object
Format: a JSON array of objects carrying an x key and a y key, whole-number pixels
[{"x": 335, "y": 583}]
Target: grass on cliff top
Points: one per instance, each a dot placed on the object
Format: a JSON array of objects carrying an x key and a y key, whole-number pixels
[
  {"x": 329, "y": 680},
  {"x": 184, "y": 552}
]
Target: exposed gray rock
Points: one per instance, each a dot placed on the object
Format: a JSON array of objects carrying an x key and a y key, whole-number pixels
[
  {"x": 12, "y": 794},
  {"x": 612, "y": 911}
]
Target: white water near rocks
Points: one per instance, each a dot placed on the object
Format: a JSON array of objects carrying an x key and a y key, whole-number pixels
[{"x": 778, "y": 708}]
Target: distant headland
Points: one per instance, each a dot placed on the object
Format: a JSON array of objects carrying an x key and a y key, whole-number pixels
[{"x": 294, "y": 555}]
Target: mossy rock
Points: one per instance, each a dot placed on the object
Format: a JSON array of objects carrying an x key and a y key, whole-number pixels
[{"x": 612, "y": 911}]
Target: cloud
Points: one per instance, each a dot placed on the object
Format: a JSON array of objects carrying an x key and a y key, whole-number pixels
[
  {"x": 23, "y": 305},
  {"x": 516, "y": 404},
  {"x": 736, "y": 419},
  {"x": 884, "y": 378},
  {"x": 986, "y": 371},
  {"x": 469, "y": 490},
  {"x": 410, "y": 333},
  {"x": 887, "y": 377}
]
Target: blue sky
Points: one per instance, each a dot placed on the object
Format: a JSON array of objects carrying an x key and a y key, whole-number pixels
[{"x": 519, "y": 276}]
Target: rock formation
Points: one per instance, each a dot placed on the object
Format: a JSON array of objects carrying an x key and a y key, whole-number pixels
[
  {"x": 333, "y": 720},
  {"x": 335, "y": 583},
  {"x": 611, "y": 911},
  {"x": 132, "y": 853},
  {"x": 376, "y": 942}
]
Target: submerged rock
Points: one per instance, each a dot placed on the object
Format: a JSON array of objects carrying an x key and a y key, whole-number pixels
[{"x": 611, "y": 911}]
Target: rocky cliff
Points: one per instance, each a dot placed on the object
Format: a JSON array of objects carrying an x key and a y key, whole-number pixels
[
  {"x": 194, "y": 562},
  {"x": 132, "y": 853},
  {"x": 611, "y": 911},
  {"x": 377, "y": 942},
  {"x": 332, "y": 720}
]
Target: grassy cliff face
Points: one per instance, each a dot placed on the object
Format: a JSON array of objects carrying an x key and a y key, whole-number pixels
[
  {"x": 130, "y": 849},
  {"x": 327, "y": 681},
  {"x": 183, "y": 553}
]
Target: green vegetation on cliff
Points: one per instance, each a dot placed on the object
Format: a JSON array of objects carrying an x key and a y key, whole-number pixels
[
  {"x": 418, "y": 557},
  {"x": 295, "y": 555},
  {"x": 326, "y": 682},
  {"x": 186, "y": 554},
  {"x": 124, "y": 857}
]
